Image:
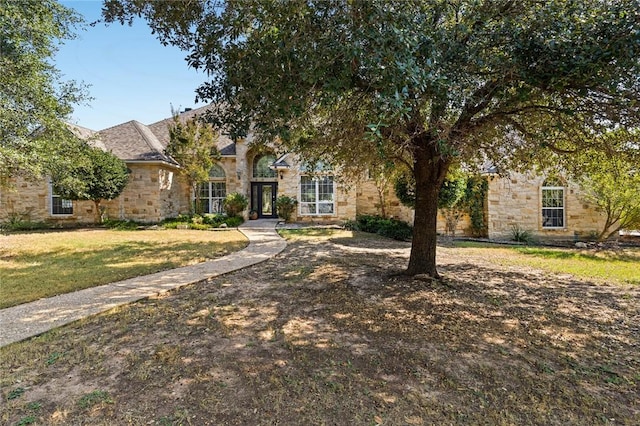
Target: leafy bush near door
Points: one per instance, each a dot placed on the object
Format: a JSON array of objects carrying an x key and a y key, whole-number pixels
[
  {"x": 286, "y": 206},
  {"x": 235, "y": 203}
]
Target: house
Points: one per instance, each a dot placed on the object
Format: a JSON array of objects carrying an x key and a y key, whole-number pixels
[{"x": 156, "y": 191}]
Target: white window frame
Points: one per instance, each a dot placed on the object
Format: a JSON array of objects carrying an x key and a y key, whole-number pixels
[
  {"x": 53, "y": 196},
  {"x": 215, "y": 179},
  {"x": 561, "y": 208},
  {"x": 317, "y": 180}
]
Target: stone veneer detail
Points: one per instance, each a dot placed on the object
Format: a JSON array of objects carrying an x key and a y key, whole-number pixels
[{"x": 516, "y": 200}]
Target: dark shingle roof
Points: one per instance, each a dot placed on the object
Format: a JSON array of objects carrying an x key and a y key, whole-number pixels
[
  {"x": 229, "y": 150},
  {"x": 133, "y": 141}
]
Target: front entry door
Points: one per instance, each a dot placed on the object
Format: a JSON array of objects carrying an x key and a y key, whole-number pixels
[{"x": 263, "y": 198}]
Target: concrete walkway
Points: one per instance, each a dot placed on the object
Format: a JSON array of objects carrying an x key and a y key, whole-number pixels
[{"x": 30, "y": 319}]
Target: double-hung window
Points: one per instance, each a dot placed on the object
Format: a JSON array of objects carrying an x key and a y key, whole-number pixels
[
  {"x": 60, "y": 206},
  {"x": 553, "y": 204},
  {"x": 212, "y": 193},
  {"x": 317, "y": 195}
]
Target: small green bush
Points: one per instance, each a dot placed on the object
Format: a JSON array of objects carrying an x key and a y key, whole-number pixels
[
  {"x": 286, "y": 206},
  {"x": 234, "y": 222},
  {"x": 235, "y": 203},
  {"x": 521, "y": 235},
  {"x": 390, "y": 228},
  {"x": 120, "y": 225},
  {"x": 214, "y": 219}
]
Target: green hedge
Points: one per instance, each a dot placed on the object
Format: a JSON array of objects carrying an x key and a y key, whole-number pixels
[{"x": 390, "y": 228}]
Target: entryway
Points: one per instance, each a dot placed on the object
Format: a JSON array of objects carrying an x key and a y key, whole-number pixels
[{"x": 263, "y": 199}]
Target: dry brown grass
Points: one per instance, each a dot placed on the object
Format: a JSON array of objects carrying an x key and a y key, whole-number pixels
[
  {"x": 329, "y": 333},
  {"x": 46, "y": 263}
]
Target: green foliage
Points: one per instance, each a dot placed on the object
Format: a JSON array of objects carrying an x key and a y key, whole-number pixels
[
  {"x": 452, "y": 189},
  {"x": 390, "y": 228},
  {"x": 405, "y": 187},
  {"x": 611, "y": 181},
  {"x": 21, "y": 222},
  {"x": 203, "y": 222},
  {"x": 35, "y": 100},
  {"x": 521, "y": 235},
  {"x": 451, "y": 192},
  {"x": 193, "y": 144},
  {"x": 93, "y": 398},
  {"x": 421, "y": 83},
  {"x": 234, "y": 221},
  {"x": 121, "y": 225},
  {"x": 235, "y": 203},
  {"x": 286, "y": 206},
  {"x": 94, "y": 175},
  {"x": 475, "y": 198},
  {"x": 16, "y": 393}
]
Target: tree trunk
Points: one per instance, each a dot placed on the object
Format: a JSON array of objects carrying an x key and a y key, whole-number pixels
[
  {"x": 98, "y": 217},
  {"x": 430, "y": 170}
]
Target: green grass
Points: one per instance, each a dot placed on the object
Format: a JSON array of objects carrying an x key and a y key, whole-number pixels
[
  {"x": 34, "y": 265},
  {"x": 621, "y": 266}
]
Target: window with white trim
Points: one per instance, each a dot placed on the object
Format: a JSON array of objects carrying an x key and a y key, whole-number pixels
[
  {"x": 553, "y": 204},
  {"x": 317, "y": 195},
  {"x": 213, "y": 193},
  {"x": 60, "y": 206}
]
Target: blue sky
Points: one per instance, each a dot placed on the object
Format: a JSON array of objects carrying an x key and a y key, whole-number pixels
[{"x": 131, "y": 75}]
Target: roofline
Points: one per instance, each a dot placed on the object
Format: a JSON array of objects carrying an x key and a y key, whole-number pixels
[{"x": 152, "y": 162}]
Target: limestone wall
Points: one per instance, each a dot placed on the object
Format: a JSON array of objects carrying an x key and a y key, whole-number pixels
[
  {"x": 154, "y": 193},
  {"x": 517, "y": 200},
  {"x": 31, "y": 202},
  {"x": 368, "y": 201}
]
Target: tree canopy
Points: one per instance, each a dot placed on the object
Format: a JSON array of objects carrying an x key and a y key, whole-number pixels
[
  {"x": 33, "y": 97},
  {"x": 94, "y": 175},
  {"x": 193, "y": 144},
  {"x": 424, "y": 83},
  {"x": 610, "y": 179}
]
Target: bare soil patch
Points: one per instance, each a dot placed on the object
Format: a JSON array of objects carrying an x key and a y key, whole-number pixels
[{"x": 328, "y": 332}]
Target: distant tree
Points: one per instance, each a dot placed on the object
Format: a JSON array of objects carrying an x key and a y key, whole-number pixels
[
  {"x": 95, "y": 175},
  {"x": 610, "y": 178},
  {"x": 424, "y": 83},
  {"x": 193, "y": 144},
  {"x": 33, "y": 97}
]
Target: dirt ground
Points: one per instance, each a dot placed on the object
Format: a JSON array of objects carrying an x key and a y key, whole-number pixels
[{"x": 328, "y": 333}]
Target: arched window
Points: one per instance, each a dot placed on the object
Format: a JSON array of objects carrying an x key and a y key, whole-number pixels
[
  {"x": 212, "y": 193},
  {"x": 553, "y": 203},
  {"x": 261, "y": 166}
]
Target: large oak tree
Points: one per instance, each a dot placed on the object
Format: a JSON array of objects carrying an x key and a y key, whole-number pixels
[{"x": 424, "y": 83}]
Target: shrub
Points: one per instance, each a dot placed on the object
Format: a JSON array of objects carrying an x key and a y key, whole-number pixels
[
  {"x": 521, "y": 235},
  {"x": 234, "y": 222},
  {"x": 213, "y": 219},
  {"x": 120, "y": 225},
  {"x": 390, "y": 228},
  {"x": 235, "y": 203},
  {"x": 286, "y": 206}
]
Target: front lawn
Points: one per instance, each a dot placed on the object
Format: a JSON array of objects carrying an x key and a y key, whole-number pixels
[
  {"x": 614, "y": 266},
  {"x": 330, "y": 333},
  {"x": 42, "y": 264}
]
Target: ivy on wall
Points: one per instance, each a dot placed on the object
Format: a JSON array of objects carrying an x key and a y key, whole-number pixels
[{"x": 462, "y": 192}]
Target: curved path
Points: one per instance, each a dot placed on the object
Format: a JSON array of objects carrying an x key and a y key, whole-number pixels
[{"x": 30, "y": 319}]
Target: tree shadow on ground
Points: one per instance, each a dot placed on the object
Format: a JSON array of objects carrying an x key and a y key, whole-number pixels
[{"x": 325, "y": 334}]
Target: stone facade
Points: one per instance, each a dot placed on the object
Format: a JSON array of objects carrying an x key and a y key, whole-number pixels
[
  {"x": 32, "y": 202},
  {"x": 517, "y": 201},
  {"x": 156, "y": 191},
  {"x": 370, "y": 199}
]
